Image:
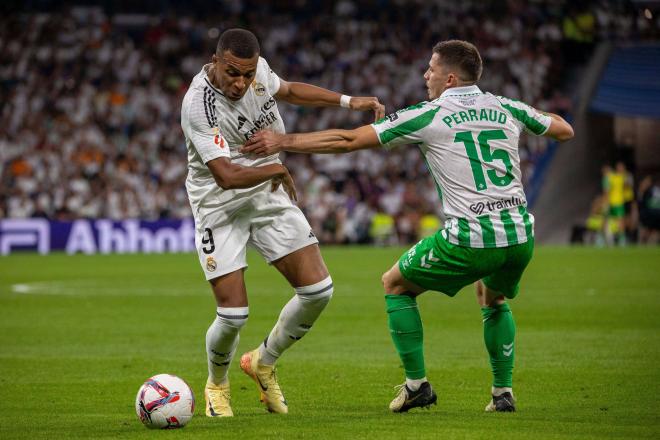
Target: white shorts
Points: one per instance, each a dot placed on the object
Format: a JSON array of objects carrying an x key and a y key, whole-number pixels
[{"x": 267, "y": 220}]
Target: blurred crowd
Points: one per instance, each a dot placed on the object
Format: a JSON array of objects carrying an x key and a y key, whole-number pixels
[
  {"x": 90, "y": 99},
  {"x": 623, "y": 212}
]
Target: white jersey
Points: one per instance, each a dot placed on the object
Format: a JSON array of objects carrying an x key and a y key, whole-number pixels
[
  {"x": 469, "y": 140},
  {"x": 215, "y": 126}
]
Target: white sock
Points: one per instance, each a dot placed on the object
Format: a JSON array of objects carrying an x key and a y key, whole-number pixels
[
  {"x": 414, "y": 384},
  {"x": 498, "y": 391},
  {"x": 296, "y": 318},
  {"x": 221, "y": 341}
]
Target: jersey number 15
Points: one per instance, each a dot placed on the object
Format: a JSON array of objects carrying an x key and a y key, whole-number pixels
[{"x": 488, "y": 156}]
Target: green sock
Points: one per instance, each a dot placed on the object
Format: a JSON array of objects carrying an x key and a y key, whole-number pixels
[
  {"x": 499, "y": 333},
  {"x": 407, "y": 333}
]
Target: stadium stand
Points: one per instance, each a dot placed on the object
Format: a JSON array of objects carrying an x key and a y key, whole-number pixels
[
  {"x": 89, "y": 124},
  {"x": 630, "y": 83}
]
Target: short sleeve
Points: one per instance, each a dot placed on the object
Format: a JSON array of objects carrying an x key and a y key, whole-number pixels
[
  {"x": 200, "y": 127},
  {"x": 532, "y": 120},
  {"x": 271, "y": 78},
  {"x": 405, "y": 126}
]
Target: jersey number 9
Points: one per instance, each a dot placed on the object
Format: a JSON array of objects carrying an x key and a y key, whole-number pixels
[{"x": 207, "y": 238}]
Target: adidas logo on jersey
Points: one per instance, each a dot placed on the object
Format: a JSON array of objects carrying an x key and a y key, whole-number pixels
[{"x": 241, "y": 121}]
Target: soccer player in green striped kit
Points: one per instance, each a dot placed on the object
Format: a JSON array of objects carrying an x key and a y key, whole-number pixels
[{"x": 469, "y": 140}]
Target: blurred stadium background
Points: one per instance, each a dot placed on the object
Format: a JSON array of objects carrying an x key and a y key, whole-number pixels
[
  {"x": 92, "y": 161},
  {"x": 93, "y": 157}
]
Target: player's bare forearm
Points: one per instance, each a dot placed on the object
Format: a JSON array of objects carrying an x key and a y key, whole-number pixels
[
  {"x": 559, "y": 129},
  {"x": 309, "y": 95},
  {"x": 334, "y": 141},
  {"x": 231, "y": 176},
  {"x": 328, "y": 141}
]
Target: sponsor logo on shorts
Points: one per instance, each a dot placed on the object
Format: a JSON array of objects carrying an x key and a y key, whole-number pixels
[
  {"x": 409, "y": 256},
  {"x": 211, "y": 265},
  {"x": 498, "y": 205}
]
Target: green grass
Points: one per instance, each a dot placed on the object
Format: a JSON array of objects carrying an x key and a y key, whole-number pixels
[{"x": 75, "y": 348}]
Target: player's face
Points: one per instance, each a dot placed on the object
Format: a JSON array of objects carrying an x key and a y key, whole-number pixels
[
  {"x": 438, "y": 77},
  {"x": 234, "y": 75}
]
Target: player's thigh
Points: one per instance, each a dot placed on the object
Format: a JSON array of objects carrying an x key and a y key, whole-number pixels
[
  {"x": 506, "y": 279},
  {"x": 436, "y": 264},
  {"x": 278, "y": 230},
  {"x": 395, "y": 284},
  {"x": 221, "y": 246},
  {"x": 486, "y": 297},
  {"x": 303, "y": 267},
  {"x": 229, "y": 289}
]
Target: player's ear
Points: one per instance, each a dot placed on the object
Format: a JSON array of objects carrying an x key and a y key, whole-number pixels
[
  {"x": 214, "y": 58},
  {"x": 452, "y": 80}
]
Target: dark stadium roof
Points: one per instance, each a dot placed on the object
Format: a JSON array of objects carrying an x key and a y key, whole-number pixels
[{"x": 631, "y": 83}]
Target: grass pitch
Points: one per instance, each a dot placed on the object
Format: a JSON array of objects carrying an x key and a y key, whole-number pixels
[{"x": 79, "y": 335}]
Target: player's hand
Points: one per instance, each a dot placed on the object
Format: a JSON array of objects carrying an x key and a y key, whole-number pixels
[
  {"x": 366, "y": 103},
  {"x": 286, "y": 181},
  {"x": 263, "y": 143}
]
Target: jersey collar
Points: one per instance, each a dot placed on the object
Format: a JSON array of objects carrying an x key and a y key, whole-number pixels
[
  {"x": 205, "y": 75},
  {"x": 460, "y": 91}
]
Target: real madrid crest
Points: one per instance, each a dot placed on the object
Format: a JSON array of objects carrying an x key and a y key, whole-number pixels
[
  {"x": 259, "y": 88},
  {"x": 211, "y": 265}
]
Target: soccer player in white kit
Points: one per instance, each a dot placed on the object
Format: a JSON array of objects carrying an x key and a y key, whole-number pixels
[
  {"x": 469, "y": 140},
  {"x": 238, "y": 200}
]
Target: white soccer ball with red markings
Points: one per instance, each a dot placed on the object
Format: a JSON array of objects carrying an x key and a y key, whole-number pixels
[{"x": 165, "y": 402}]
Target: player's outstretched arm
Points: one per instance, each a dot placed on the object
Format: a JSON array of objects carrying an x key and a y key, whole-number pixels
[
  {"x": 306, "y": 94},
  {"x": 232, "y": 176},
  {"x": 559, "y": 130},
  {"x": 266, "y": 142}
]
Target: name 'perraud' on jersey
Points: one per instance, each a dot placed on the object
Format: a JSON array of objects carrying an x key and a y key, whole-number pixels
[
  {"x": 469, "y": 140},
  {"x": 215, "y": 126}
]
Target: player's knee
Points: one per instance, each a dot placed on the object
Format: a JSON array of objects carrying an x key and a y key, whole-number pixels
[
  {"x": 235, "y": 317},
  {"x": 388, "y": 281},
  {"x": 480, "y": 288},
  {"x": 493, "y": 299},
  {"x": 392, "y": 283},
  {"x": 318, "y": 294}
]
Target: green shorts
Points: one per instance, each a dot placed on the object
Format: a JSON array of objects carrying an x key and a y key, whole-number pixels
[
  {"x": 617, "y": 211},
  {"x": 436, "y": 264}
]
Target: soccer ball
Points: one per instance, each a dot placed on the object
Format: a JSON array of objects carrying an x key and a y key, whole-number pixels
[{"x": 165, "y": 401}]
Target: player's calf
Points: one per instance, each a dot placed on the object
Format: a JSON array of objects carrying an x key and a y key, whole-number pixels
[
  {"x": 221, "y": 341},
  {"x": 296, "y": 319}
]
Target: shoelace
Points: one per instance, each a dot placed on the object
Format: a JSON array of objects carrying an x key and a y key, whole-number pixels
[
  {"x": 216, "y": 399},
  {"x": 273, "y": 376},
  {"x": 400, "y": 388},
  {"x": 272, "y": 381}
]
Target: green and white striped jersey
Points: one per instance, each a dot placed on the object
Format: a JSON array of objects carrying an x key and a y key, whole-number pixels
[{"x": 469, "y": 140}]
